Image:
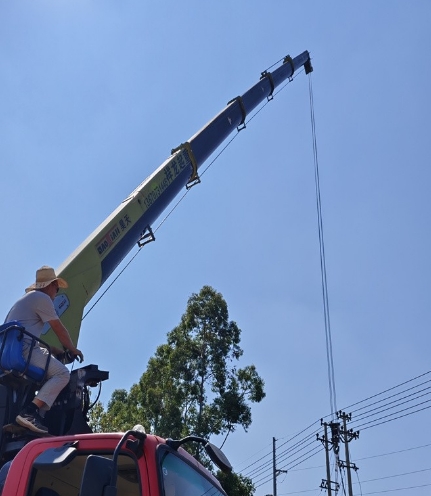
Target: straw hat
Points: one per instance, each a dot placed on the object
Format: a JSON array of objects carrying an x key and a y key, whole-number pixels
[{"x": 44, "y": 277}]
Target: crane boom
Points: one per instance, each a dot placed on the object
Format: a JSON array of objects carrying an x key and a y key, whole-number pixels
[{"x": 91, "y": 264}]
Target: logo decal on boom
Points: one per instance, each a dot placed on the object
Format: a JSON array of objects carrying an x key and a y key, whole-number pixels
[{"x": 112, "y": 235}]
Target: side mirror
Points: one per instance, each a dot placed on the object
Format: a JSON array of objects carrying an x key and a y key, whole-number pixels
[
  {"x": 216, "y": 454},
  {"x": 218, "y": 457},
  {"x": 96, "y": 478}
]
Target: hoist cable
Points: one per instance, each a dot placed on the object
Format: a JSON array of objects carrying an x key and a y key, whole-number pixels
[{"x": 329, "y": 356}]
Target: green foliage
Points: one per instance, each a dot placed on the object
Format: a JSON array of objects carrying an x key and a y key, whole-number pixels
[{"x": 235, "y": 484}]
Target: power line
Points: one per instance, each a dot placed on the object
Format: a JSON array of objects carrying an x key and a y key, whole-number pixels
[
  {"x": 396, "y": 452},
  {"x": 386, "y": 391},
  {"x": 397, "y": 489},
  {"x": 396, "y": 475},
  {"x": 297, "y": 453},
  {"x": 395, "y": 418},
  {"x": 395, "y": 401}
]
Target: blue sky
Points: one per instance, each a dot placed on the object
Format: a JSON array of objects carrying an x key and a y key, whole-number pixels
[{"x": 94, "y": 95}]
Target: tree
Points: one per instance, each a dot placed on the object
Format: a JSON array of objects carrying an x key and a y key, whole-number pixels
[
  {"x": 235, "y": 484},
  {"x": 192, "y": 384}
]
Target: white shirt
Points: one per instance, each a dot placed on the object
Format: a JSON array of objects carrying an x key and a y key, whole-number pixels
[{"x": 33, "y": 310}]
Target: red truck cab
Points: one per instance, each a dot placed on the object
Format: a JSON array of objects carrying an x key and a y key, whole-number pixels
[{"x": 130, "y": 464}]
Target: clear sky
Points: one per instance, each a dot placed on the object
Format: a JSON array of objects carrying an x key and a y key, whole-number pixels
[{"x": 94, "y": 95}]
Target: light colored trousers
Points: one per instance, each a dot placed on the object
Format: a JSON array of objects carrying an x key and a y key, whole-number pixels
[{"x": 57, "y": 376}]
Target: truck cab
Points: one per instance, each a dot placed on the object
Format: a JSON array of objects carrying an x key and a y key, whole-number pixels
[{"x": 130, "y": 464}]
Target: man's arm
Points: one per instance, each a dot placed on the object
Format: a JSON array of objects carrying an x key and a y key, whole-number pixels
[{"x": 64, "y": 338}]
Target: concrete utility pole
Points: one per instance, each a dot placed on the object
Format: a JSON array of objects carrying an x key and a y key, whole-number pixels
[
  {"x": 329, "y": 444},
  {"x": 275, "y": 472},
  {"x": 346, "y": 436}
]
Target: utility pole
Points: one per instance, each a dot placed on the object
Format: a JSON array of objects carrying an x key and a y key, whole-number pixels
[
  {"x": 346, "y": 436},
  {"x": 329, "y": 444},
  {"x": 275, "y": 472}
]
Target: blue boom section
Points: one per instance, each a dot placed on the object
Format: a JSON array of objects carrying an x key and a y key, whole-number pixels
[
  {"x": 202, "y": 145},
  {"x": 216, "y": 131}
]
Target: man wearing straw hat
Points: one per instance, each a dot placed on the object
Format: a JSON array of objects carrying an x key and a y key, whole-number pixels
[{"x": 33, "y": 310}]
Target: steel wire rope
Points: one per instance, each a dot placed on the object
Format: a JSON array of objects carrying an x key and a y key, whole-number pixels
[
  {"x": 185, "y": 194},
  {"x": 324, "y": 280}
]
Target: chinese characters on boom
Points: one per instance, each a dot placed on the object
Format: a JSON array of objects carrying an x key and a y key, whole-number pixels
[
  {"x": 113, "y": 234},
  {"x": 174, "y": 168}
]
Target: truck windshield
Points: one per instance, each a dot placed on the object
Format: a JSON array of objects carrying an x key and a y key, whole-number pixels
[{"x": 181, "y": 479}]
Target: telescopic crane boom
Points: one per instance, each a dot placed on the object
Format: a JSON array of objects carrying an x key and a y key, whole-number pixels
[{"x": 91, "y": 264}]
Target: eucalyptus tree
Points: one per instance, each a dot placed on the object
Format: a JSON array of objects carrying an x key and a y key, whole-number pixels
[{"x": 193, "y": 384}]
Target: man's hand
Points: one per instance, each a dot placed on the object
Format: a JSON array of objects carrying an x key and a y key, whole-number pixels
[
  {"x": 63, "y": 335},
  {"x": 68, "y": 356},
  {"x": 78, "y": 355}
]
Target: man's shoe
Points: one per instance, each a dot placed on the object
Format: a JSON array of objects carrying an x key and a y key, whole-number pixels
[{"x": 31, "y": 421}]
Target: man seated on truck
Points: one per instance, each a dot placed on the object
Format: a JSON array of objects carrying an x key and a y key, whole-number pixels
[{"x": 32, "y": 311}]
